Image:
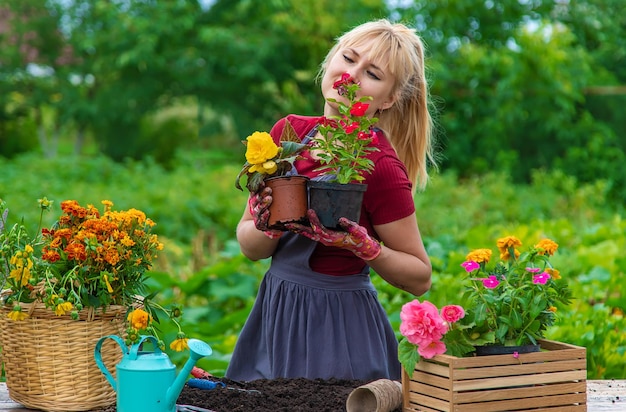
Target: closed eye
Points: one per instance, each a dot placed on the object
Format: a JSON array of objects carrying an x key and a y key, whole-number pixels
[
  {"x": 347, "y": 58},
  {"x": 373, "y": 75}
]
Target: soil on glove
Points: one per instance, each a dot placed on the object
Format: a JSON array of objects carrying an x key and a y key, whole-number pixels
[{"x": 271, "y": 395}]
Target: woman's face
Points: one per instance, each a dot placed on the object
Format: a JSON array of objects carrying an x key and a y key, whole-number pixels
[{"x": 373, "y": 76}]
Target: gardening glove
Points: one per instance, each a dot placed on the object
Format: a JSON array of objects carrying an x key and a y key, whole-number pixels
[
  {"x": 259, "y": 204},
  {"x": 354, "y": 239}
]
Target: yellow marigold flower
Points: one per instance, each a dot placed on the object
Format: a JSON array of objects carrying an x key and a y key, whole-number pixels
[
  {"x": 127, "y": 241},
  {"x": 547, "y": 247},
  {"x": 107, "y": 205},
  {"x": 479, "y": 255},
  {"x": 17, "y": 314},
  {"x": 554, "y": 273},
  {"x": 179, "y": 344},
  {"x": 260, "y": 148},
  {"x": 617, "y": 312},
  {"x": 29, "y": 249},
  {"x": 62, "y": 308},
  {"x": 552, "y": 309},
  {"x": 139, "y": 319}
]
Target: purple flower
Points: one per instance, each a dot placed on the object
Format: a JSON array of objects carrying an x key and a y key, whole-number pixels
[
  {"x": 490, "y": 282},
  {"x": 470, "y": 266},
  {"x": 541, "y": 278}
]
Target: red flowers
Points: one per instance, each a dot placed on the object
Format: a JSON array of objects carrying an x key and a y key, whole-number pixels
[
  {"x": 348, "y": 138},
  {"x": 358, "y": 109}
]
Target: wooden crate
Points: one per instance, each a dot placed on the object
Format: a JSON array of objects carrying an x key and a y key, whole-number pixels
[{"x": 553, "y": 380}]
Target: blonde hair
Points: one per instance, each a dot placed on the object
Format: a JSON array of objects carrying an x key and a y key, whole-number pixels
[{"x": 408, "y": 123}]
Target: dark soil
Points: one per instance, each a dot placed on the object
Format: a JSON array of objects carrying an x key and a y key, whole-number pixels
[{"x": 271, "y": 395}]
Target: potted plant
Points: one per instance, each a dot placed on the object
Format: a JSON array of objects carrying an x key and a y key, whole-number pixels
[
  {"x": 66, "y": 287},
  {"x": 268, "y": 164},
  {"x": 505, "y": 310},
  {"x": 344, "y": 143}
]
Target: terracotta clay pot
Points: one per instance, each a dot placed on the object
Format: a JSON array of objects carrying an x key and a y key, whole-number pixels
[
  {"x": 332, "y": 200},
  {"x": 289, "y": 200}
]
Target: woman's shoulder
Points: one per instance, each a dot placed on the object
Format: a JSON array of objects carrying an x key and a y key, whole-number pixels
[{"x": 301, "y": 124}]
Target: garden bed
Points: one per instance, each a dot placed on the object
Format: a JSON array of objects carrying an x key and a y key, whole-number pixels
[{"x": 274, "y": 395}]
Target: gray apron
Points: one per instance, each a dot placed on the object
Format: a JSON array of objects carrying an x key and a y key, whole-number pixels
[{"x": 306, "y": 324}]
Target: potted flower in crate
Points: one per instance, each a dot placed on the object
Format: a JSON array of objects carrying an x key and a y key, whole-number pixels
[
  {"x": 343, "y": 144},
  {"x": 505, "y": 309},
  {"x": 68, "y": 286},
  {"x": 269, "y": 164}
]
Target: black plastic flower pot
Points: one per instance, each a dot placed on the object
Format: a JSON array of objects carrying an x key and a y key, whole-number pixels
[
  {"x": 505, "y": 350},
  {"x": 332, "y": 200}
]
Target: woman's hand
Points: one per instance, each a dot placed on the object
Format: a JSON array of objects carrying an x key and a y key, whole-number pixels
[
  {"x": 259, "y": 204},
  {"x": 355, "y": 238}
]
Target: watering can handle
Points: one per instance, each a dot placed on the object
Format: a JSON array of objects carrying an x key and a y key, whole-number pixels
[
  {"x": 133, "y": 353},
  {"x": 100, "y": 363}
]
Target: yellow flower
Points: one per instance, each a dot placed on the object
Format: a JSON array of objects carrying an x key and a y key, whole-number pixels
[
  {"x": 139, "y": 319},
  {"x": 106, "y": 280},
  {"x": 552, "y": 309},
  {"x": 179, "y": 344},
  {"x": 260, "y": 148},
  {"x": 17, "y": 314},
  {"x": 479, "y": 255},
  {"x": 546, "y": 246},
  {"x": 268, "y": 167},
  {"x": 62, "y": 308}
]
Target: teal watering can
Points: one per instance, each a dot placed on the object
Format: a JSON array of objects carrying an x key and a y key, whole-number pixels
[{"x": 147, "y": 381}]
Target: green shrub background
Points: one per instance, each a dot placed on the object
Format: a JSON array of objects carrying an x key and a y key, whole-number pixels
[{"x": 196, "y": 208}]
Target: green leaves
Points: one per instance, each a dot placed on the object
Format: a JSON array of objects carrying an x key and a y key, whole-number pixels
[{"x": 408, "y": 356}]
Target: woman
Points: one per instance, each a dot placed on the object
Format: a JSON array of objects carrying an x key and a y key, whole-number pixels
[{"x": 317, "y": 314}]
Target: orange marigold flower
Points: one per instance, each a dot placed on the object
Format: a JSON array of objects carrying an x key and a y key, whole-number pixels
[
  {"x": 507, "y": 242},
  {"x": 76, "y": 251},
  {"x": 479, "y": 255},
  {"x": 547, "y": 247},
  {"x": 139, "y": 319},
  {"x": 50, "y": 255}
]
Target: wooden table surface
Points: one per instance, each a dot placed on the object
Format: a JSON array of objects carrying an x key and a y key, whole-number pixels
[{"x": 602, "y": 396}]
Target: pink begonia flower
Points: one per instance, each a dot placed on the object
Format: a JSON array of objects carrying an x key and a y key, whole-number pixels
[
  {"x": 470, "y": 266},
  {"x": 541, "y": 278},
  {"x": 516, "y": 355},
  {"x": 533, "y": 270},
  {"x": 436, "y": 347},
  {"x": 452, "y": 313},
  {"x": 491, "y": 282},
  {"x": 421, "y": 323}
]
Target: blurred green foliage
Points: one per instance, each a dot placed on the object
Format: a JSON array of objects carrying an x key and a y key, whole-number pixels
[{"x": 516, "y": 85}]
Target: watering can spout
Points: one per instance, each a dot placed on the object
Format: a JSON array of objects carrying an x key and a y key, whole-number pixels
[{"x": 198, "y": 349}]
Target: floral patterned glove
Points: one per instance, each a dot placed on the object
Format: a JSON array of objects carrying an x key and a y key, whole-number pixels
[
  {"x": 354, "y": 239},
  {"x": 259, "y": 204}
]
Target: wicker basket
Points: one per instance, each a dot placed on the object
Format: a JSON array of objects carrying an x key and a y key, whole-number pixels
[{"x": 49, "y": 359}]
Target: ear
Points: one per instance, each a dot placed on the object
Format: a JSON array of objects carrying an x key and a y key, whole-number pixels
[{"x": 388, "y": 103}]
